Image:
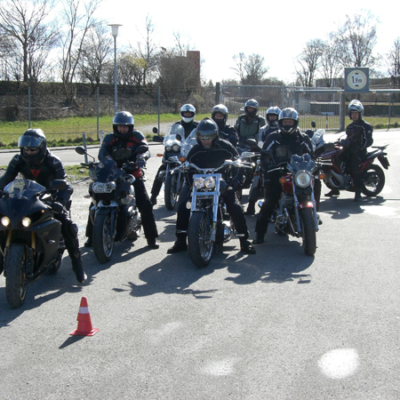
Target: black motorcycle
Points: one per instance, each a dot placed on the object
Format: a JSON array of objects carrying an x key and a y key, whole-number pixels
[
  {"x": 113, "y": 210},
  {"x": 250, "y": 145},
  {"x": 30, "y": 243}
]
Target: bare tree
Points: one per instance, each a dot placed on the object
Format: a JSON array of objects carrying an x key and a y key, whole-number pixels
[
  {"x": 148, "y": 53},
  {"x": 78, "y": 17},
  {"x": 95, "y": 56},
  {"x": 393, "y": 62},
  {"x": 331, "y": 66},
  {"x": 308, "y": 61},
  {"x": 356, "y": 40},
  {"x": 28, "y": 26},
  {"x": 250, "y": 69}
]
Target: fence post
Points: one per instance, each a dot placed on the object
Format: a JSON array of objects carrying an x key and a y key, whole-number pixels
[
  {"x": 101, "y": 136},
  {"x": 29, "y": 107},
  {"x": 342, "y": 111},
  {"x": 84, "y": 145},
  {"x": 98, "y": 113},
  {"x": 218, "y": 93},
  {"x": 159, "y": 109}
]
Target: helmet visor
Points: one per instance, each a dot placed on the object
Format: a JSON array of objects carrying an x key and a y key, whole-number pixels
[{"x": 30, "y": 141}]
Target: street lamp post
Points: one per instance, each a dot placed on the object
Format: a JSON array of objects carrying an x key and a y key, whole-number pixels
[{"x": 114, "y": 31}]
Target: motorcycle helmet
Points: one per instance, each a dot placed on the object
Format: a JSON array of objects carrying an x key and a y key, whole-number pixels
[
  {"x": 188, "y": 108},
  {"x": 221, "y": 109},
  {"x": 251, "y": 103},
  {"x": 31, "y": 140},
  {"x": 207, "y": 129},
  {"x": 123, "y": 118},
  {"x": 272, "y": 111},
  {"x": 356, "y": 105},
  {"x": 288, "y": 113}
]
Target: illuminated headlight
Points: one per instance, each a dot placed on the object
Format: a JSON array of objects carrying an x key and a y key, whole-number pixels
[
  {"x": 209, "y": 182},
  {"x": 198, "y": 183},
  {"x": 168, "y": 148},
  {"x": 26, "y": 222},
  {"x": 100, "y": 187},
  {"x": 5, "y": 221},
  {"x": 176, "y": 148},
  {"x": 303, "y": 179}
]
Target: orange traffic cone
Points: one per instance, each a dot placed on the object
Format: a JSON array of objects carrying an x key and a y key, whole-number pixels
[{"x": 84, "y": 322}]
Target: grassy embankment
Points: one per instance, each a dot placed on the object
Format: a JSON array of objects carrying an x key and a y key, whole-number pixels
[{"x": 68, "y": 131}]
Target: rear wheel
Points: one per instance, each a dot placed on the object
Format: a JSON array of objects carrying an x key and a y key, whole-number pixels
[
  {"x": 170, "y": 194},
  {"x": 103, "y": 237},
  {"x": 199, "y": 242},
  {"x": 16, "y": 283},
  {"x": 373, "y": 180},
  {"x": 308, "y": 231}
]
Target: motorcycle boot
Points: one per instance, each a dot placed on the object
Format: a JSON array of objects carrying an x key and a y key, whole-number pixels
[
  {"x": 77, "y": 266},
  {"x": 153, "y": 244},
  {"x": 259, "y": 238},
  {"x": 251, "y": 210},
  {"x": 333, "y": 192},
  {"x": 246, "y": 247},
  {"x": 153, "y": 200},
  {"x": 179, "y": 245},
  {"x": 357, "y": 197},
  {"x": 89, "y": 242}
]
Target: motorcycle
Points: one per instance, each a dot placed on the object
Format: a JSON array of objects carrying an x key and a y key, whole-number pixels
[
  {"x": 209, "y": 224},
  {"x": 113, "y": 211},
  {"x": 172, "y": 152},
  {"x": 296, "y": 212},
  {"x": 30, "y": 244},
  {"x": 250, "y": 145},
  {"x": 372, "y": 175}
]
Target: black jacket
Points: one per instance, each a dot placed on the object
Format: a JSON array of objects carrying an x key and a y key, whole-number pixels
[
  {"x": 364, "y": 140},
  {"x": 188, "y": 127},
  {"x": 43, "y": 173}
]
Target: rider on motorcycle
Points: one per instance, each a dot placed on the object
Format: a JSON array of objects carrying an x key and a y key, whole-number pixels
[
  {"x": 288, "y": 140},
  {"x": 359, "y": 138},
  {"x": 121, "y": 145},
  {"x": 209, "y": 149},
  {"x": 248, "y": 125},
  {"x": 35, "y": 162},
  {"x": 219, "y": 114},
  {"x": 188, "y": 112},
  {"x": 272, "y": 116}
]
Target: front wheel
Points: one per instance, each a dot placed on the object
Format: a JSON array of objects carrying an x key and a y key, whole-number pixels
[
  {"x": 103, "y": 237},
  {"x": 308, "y": 230},
  {"x": 170, "y": 194},
  {"x": 373, "y": 180},
  {"x": 16, "y": 283},
  {"x": 199, "y": 242}
]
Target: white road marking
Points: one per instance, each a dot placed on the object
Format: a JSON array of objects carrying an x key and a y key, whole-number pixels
[{"x": 339, "y": 363}]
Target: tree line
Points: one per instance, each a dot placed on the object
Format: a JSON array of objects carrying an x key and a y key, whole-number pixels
[{"x": 32, "y": 32}]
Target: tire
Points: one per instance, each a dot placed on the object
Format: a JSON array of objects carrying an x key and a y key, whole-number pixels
[
  {"x": 199, "y": 244},
  {"x": 170, "y": 195},
  {"x": 373, "y": 180},
  {"x": 16, "y": 283},
  {"x": 308, "y": 231},
  {"x": 103, "y": 243}
]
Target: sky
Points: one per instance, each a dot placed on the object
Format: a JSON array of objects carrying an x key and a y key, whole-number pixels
[{"x": 275, "y": 30}]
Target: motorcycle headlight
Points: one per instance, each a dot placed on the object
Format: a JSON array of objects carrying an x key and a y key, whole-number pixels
[
  {"x": 5, "y": 221},
  {"x": 26, "y": 222},
  {"x": 168, "y": 148},
  {"x": 198, "y": 183},
  {"x": 209, "y": 182},
  {"x": 176, "y": 148},
  {"x": 100, "y": 187},
  {"x": 303, "y": 179}
]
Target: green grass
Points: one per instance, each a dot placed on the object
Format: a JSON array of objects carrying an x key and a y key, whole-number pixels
[{"x": 68, "y": 131}]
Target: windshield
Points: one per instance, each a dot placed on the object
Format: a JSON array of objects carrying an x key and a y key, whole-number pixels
[
  {"x": 174, "y": 134},
  {"x": 304, "y": 162},
  {"x": 23, "y": 188},
  {"x": 318, "y": 139},
  {"x": 189, "y": 142},
  {"x": 106, "y": 171}
]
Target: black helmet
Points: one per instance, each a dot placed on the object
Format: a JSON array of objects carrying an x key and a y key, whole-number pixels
[
  {"x": 251, "y": 103},
  {"x": 288, "y": 113},
  {"x": 188, "y": 108},
  {"x": 221, "y": 109},
  {"x": 207, "y": 128},
  {"x": 273, "y": 111},
  {"x": 34, "y": 139},
  {"x": 123, "y": 118}
]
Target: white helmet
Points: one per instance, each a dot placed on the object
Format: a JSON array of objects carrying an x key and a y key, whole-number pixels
[{"x": 185, "y": 109}]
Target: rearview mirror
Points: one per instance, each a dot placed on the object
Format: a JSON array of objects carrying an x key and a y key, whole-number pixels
[{"x": 80, "y": 150}]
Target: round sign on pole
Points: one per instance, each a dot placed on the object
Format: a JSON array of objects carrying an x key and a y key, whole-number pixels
[{"x": 357, "y": 79}]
